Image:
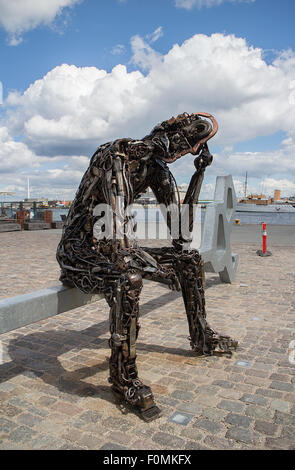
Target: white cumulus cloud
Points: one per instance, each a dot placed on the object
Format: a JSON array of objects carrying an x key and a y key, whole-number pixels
[
  {"x": 19, "y": 16},
  {"x": 155, "y": 35},
  {"x": 220, "y": 74},
  {"x": 72, "y": 110},
  {"x": 118, "y": 49},
  {"x": 189, "y": 4},
  {"x": 14, "y": 156}
]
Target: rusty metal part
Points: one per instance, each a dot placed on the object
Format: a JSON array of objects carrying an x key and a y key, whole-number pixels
[
  {"x": 118, "y": 173},
  {"x": 194, "y": 149}
]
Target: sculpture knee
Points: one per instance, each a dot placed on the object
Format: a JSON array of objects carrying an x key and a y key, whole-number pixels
[
  {"x": 189, "y": 265},
  {"x": 131, "y": 285}
]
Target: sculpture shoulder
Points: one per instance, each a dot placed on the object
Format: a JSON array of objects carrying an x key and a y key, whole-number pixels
[
  {"x": 99, "y": 170},
  {"x": 102, "y": 158}
]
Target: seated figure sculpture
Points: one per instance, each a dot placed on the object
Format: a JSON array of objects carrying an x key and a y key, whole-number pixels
[{"x": 118, "y": 173}]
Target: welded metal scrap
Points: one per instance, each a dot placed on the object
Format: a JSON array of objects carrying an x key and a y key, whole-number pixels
[{"x": 118, "y": 173}]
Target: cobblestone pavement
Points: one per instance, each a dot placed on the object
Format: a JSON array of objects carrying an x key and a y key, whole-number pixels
[{"x": 54, "y": 392}]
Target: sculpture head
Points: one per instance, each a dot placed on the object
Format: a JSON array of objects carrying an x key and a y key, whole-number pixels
[{"x": 183, "y": 134}]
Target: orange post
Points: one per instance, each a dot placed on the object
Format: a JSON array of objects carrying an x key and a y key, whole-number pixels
[
  {"x": 264, "y": 251},
  {"x": 264, "y": 238}
]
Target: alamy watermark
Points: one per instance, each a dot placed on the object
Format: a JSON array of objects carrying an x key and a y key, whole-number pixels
[
  {"x": 291, "y": 352},
  {"x": 1, "y": 93},
  {"x": 118, "y": 222}
]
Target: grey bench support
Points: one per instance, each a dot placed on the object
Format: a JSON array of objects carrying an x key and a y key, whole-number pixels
[
  {"x": 22, "y": 310},
  {"x": 216, "y": 245}
]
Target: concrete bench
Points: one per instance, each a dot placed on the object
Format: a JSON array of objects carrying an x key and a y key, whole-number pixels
[
  {"x": 23, "y": 310},
  {"x": 37, "y": 226},
  {"x": 9, "y": 227},
  {"x": 57, "y": 224}
]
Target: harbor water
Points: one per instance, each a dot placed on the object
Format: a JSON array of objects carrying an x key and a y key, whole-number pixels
[{"x": 253, "y": 217}]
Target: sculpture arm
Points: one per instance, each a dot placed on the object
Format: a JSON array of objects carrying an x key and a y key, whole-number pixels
[
  {"x": 162, "y": 184},
  {"x": 117, "y": 190}
]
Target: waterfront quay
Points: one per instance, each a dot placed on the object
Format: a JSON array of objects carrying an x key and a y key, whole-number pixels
[{"x": 54, "y": 392}]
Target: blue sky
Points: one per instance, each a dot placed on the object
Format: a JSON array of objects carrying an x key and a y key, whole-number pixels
[
  {"x": 74, "y": 75},
  {"x": 94, "y": 27}
]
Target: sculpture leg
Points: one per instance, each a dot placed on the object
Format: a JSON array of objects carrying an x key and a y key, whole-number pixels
[
  {"x": 124, "y": 327},
  {"x": 203, "y": 339}
]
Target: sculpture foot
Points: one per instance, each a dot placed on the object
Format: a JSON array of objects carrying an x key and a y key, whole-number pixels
[
  {"x": 224, "y": 345},
  {"x": 215, "y": 344},
  {"x": 141, "y": 399}
]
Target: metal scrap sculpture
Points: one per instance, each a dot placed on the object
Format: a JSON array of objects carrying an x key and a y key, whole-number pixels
[{"x": 115, "y": 266}]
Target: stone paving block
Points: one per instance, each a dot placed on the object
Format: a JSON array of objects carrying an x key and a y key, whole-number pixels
[
  {"x": 280, "y": 377},
  {"x": 71, "y": 434},
  {"x": 269, "y": 393},
  {"x": 146, "y": 444},
  {"x": 193, "y": 445},
  {"x": 259, "y": 412},
  {"x": 120, "y": 437},
  {"x": 168, "y": 401},
  {"x": 254, "y": 399},
  {"x": 44, "y": 442},
  {"x": 223, "y": 383},
  {"x": 112, "y": 446},
  {"x": 66, "y": 408},
  {"x": 258, "y": 382},
  {"x": 279, "y": 443},
  {"x": 245, "y": 388},
  {"x": 290, "y": 397},
  {"x": 236, "y": 378},
  {"x": 69, "y": 446},
  {"x": 280, "y": 405},
  {"x": 117, "y": 423},
  {"x": 288, "y": 432},
  {"x": 240, "y": 435},
  {"x": 192, "y": 433},
  {"x": 214, "y": 414},
  {"x": 207, "y": 400},
  {"x": 21, "y": 434},
  {"x": 96, "y": 428},
  {"x": 285, "y": 387},
  {"x": 6, "y": 426},
  {"x": 91, "y": 416},
  {"x": 238, "y": 420},
  {"x": 284, "y": 418},
  {"x": 46, "y": 401},
  {"x": 221, "y": 443},
  {"x": 266, "y": 428},
  {"x": 263, "y": 366},
  {"x": 9, "y": 410},
  {"x": 182, "y": 395},
  {"x": 230, "y": 394},
  {"x": 51, "y": 427},
  {"x": 257, "y": 373},
  {"x": 191, "y": 407},
  {"x": 90, "y": 441},
  {"x": 165, "y": 439},
  {"x": 29, "y": 419},
  {"x": 208, "y": 425},
  {"x": 231, "y": 406}
]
